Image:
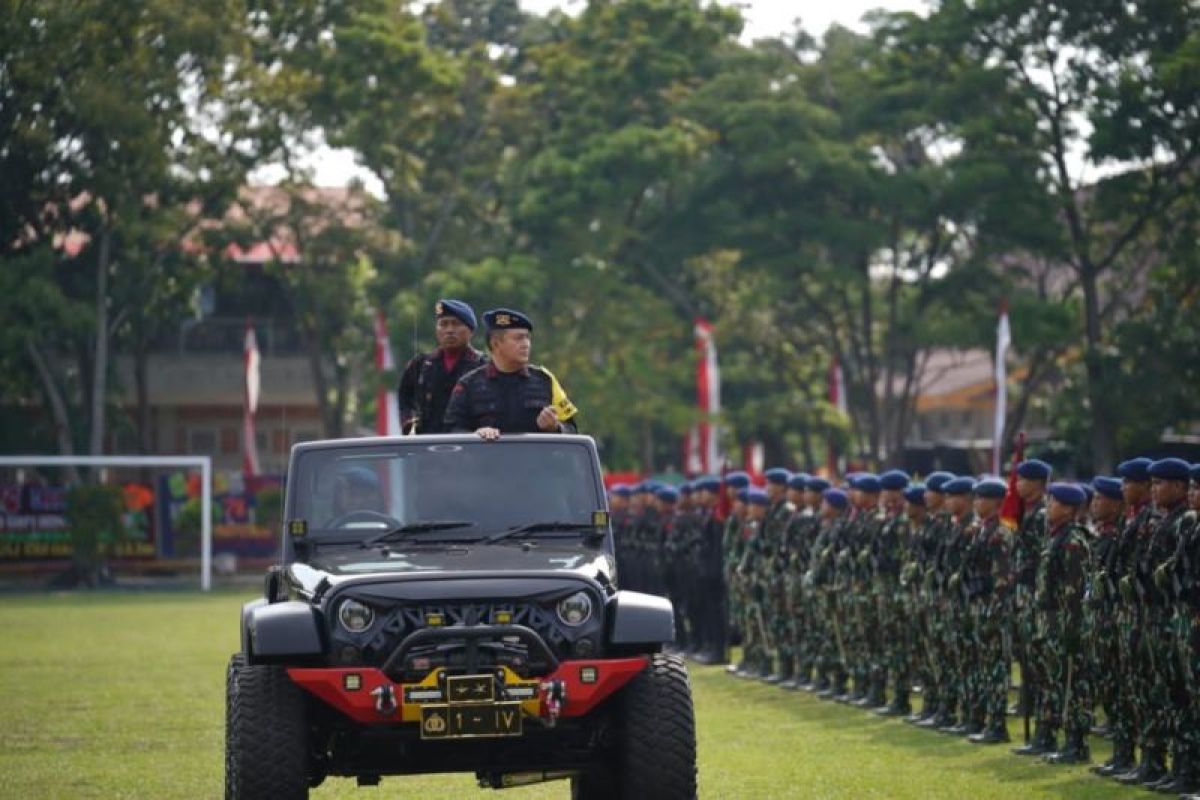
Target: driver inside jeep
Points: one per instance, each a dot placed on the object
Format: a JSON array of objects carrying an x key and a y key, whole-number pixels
[{"x": 357, "y": 488}]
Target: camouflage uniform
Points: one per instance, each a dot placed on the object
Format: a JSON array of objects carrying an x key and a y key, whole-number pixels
[
  {"x": 988, "y": 570},
  {"x": 893, "y": 654},
  {"x": 1059, "y": 644},
  {"x": 1026, "y": 552},
  {"x": 774, "y": 560}
]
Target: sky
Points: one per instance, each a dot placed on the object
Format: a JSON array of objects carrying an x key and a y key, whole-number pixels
[{"x": 764, "y": 18}]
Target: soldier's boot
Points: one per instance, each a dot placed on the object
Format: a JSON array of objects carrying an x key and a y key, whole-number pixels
[
  {"x": 837, "y": 685},
  {"x": 946, "y": 720},
  {"x": 976, "y": 725},
  {"x": 1075, "y": 750},
  {"x": 1043, "y": 742},
  {"x": 995, "y": 733},
  {"x": 821, "y": 682},
  {"x": 785, "y": 671},
  {"x": 1121, "y": 761},
  {"x": 942, "y": 715},
  {"x": 899, "y": 707},
  {"x": 877, "y": 693},
  {"x": 929, "y": 706},
  {"x": 1151, "y": 768},
  {"x": 1184, "y": 777}
]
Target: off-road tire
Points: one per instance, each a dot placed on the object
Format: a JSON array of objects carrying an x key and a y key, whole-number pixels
[
  {"x": 266, "y": 734},
  {"x": 655, "y": 753}
]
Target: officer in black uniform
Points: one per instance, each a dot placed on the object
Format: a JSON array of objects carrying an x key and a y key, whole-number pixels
[
  {"x": 428, "y": 379},
  {"x": 509, "y": 395}
]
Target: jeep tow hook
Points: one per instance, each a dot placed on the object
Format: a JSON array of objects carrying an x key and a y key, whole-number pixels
[
  {"x": 385, "y": 700},
  {"x": 554, "y": 698}
]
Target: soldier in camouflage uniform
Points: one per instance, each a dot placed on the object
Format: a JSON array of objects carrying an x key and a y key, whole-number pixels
[
  {"x": 1101, "y": 610},
  {"x": 912, "y": 609},
  {"x": 828, "y": 587},
  {"x": 1157, "y": 539},
  {"x": 756, "y": 651},
  {"x": 798, "y": 538},
  {"x": 1184, "y": 571},
  {"x": 856, "y": 560},
  {"x": 931, "y": 662},
  {"x": 677, "y": 579},
  {"x": 732, "y": 544},
  {"x": 817, "y": 633},
  {"x": 890, "y": 552},
  {"x": 955, "y": 622},
  {"x": 989, "y": 574},
  {"x": 1032, "y": 476},
  {"x": 1059, "y": 644},
  {"x": 1120, "y": 562},
  {"x": 774, "y": 555}
]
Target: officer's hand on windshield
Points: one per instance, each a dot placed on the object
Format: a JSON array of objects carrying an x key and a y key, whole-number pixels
[
  {"x": 488, "y": 434},
  {"x": 547, "y": 420}
]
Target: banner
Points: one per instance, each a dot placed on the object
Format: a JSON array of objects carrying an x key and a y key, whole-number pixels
[
  {"x": 704, "y": 444},
  {"x": 1003, "y": 342},
  {"x": 34, "y": 527}
]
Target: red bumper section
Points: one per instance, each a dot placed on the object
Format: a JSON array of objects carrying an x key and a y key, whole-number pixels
[{"x": 355, "y": 691}]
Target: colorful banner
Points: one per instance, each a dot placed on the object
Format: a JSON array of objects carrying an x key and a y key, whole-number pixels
[
  {"x": 34, "y": 527},
  {"x": 246, "y": 514}
]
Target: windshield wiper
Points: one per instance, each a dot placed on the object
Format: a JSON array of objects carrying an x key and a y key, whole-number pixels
[
  {"x": 535, "y": 527},
  {"x": 416, "y": 527}
]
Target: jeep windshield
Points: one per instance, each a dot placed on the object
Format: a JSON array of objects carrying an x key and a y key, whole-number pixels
[{"x": 434, "y": 490}]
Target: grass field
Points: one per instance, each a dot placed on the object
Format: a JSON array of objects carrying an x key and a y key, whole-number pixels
[{"x": 121, "y": 695}]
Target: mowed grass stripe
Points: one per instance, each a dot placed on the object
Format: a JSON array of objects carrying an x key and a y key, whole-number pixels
[{"x": 122, "y": 695}]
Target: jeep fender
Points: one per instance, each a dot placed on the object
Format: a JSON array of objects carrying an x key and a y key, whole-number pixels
[
  {"x": 640, "y": 619},
  {"x": 274, "y": 630}
]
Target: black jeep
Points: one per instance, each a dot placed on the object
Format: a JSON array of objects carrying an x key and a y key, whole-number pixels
[{"x": 446, "y": 604}]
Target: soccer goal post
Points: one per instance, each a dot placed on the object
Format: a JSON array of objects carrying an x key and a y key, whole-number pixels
[{"x": 204, "y": 463}]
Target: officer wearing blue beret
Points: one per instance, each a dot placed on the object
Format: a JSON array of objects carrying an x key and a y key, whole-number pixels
[
  {"x": 1032, "y": 477},
  {"x": 428, "y": 379},
  {"x": 509, "y": 395}
]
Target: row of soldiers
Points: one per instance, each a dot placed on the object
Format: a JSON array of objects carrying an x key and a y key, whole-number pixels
[{"x": 860, "y": 591}]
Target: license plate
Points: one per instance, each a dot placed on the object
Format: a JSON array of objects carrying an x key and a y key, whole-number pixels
[{"x": 451, "y": 721}]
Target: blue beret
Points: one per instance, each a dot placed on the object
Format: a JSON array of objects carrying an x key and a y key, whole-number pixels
[
  {"x": 1068, "y": 493},
  {"x": 447, "y": 307},
  {"x": 668, "y": 494},
  {"x": 360, "y": 477},
  {"x": 836, "y": 498},
  {"x": 777, "y": 475},
  {"x": 894, "y": 479},
  {"x": 505, "y": 319},
  {"x": 1034, "y": 469},
  {"x": 646, "y": 487},
  {"x": 1171, "y": 469},
  {"x": 799, "y": 481},
  {"x": 1135, "y": 469},
  {"x": 915, "y": 494},
  {"x": 866, "y": 482},
  {"x": 738, "y": 480},
  {"x": 687, "y": 488},
  {"x": 709, "y": 484},
  {"x": 937, "y": 480},
  {"x": 816, "y": 484},
  {"x": 1108, "y": 487},
  {"x": 959, "y": 486},
  {"x": 743, "y": 495},
  {"x": 1089, "y": 491},
  {"x": 757, "y": 497},
  {"x": 622, "y": 490},
  {"x": 992, "y": 488}
]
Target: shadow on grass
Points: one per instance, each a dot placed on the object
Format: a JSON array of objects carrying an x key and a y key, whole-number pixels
[{"x": 1070, "y": 783}]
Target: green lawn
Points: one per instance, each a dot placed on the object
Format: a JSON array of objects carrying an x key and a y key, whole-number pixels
[{"x": 121, "y": 695}]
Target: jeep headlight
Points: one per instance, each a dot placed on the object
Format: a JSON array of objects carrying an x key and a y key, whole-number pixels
[
  {"x": 355, "y": 616},
  {"x": 575, "y": 610}
]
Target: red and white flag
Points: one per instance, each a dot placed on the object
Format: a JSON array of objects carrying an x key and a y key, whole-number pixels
[
  {"x": 387, "y": 406},
  {"x": 1003, "y": 342},
  {"x": 704, "y": 452},
  {"x": 253, "y": 384}
]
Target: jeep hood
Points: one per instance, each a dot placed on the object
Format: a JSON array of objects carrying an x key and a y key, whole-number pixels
[{"x": 337, "y": 566}]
